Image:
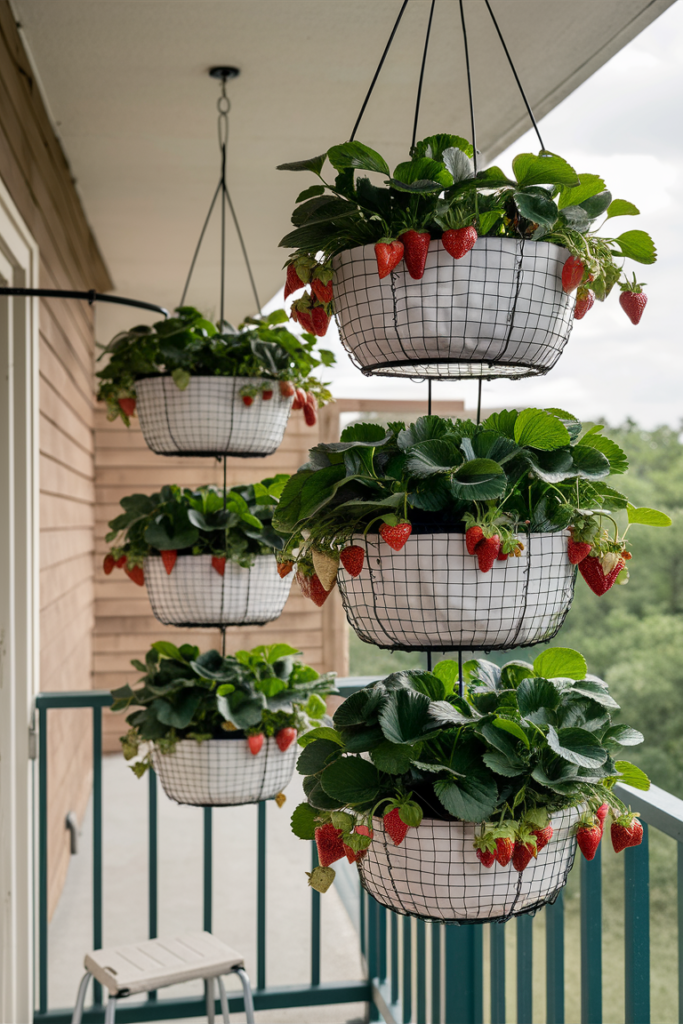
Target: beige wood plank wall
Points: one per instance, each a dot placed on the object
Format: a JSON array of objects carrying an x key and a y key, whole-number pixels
[{"x": 36, "y": 173}]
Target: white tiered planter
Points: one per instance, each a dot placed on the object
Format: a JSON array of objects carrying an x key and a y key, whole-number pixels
[
  {"x": 194, "y": 594},
  {"x": 224, "y": 772},
  {"x": 500, "y": 311},
  {"x": 209, "y": 416},
  {"x": 435, "y": 874},
  {"x": 431, "y": 595}
]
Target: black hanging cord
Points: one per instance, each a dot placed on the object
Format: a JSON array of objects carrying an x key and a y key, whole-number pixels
[
  {"x": 422, "y": 72},
  {"x": 514, "y": 72},
  {"x": 479, "y": 403},
  {"x": 199, "y": 243},
  {"x": 90, "y": 297},
  {"x": 469, "y": 85},
  {"x": 429, "y": 398},
  {"x": 379, "y": 68},
  {"x": 461, "y": 681}
]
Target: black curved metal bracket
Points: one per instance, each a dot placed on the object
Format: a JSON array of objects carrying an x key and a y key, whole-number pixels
[{"x": 90, "y": 297}]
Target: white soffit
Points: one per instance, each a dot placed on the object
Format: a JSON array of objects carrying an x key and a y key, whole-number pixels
[{"x": 126, "y": 82}]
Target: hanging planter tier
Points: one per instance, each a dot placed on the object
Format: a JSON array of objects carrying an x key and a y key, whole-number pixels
[
  {"x": 209, "y": 416},
  {"x": 219, "y": 773},
  {"x": 431, "y": 595},
  {"x": 500, "y": 311},
  {"x": 195, "y": 594},
  {"x": 435, "y": 874}
]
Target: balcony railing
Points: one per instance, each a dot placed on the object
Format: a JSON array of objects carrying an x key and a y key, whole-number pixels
[{"x": 416, "y": 972}]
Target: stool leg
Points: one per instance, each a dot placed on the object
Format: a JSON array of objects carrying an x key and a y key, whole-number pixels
[
  {"x": 110, "y": 1012},
  {"x": 210, "y": 1003},
  {"x": 248, "y": 1000},
  {"x": 224, "y": 1000},
  {"x": 80, "y": 999}
]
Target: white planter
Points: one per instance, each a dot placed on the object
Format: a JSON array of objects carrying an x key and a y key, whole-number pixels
[
  {"x": 431, "y": 595},
  {"x": 209, "y": 417},
  {"x": 222, "y": 772},
  {"x": 196, "y": 595},
  {"x": 435, "y": 874},
  {"x": 498, "y": 312}
]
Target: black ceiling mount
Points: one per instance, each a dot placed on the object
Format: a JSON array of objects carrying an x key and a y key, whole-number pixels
[{"x": 225, "y": 73}]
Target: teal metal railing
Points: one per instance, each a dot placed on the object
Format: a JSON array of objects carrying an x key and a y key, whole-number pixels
[{"x": 417, "y": 972}]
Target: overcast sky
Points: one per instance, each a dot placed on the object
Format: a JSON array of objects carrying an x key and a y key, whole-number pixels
[{"x": 624, "y": 124}]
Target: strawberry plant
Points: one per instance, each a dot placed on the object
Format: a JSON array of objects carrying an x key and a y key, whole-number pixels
[
  {"x": 435, "y": 194},
  {"x": 188, "y": 345},
  {"x": 183, "y": 694},
  {"x": 535, "y": 471},
  {"x": 173, "y": 521},
  {"x": 520, "y": 743}
]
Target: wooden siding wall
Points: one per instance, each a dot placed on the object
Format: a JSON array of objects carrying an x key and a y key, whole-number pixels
[{"x": 35, "y": 171}]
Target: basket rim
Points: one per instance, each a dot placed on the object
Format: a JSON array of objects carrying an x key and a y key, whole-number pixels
[{"x": 502, "y": 242}]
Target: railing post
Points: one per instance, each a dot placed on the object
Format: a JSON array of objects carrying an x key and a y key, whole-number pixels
[
  {"x": 464, "y": 980},
  {"x": 208, "y": 870},
  {"x": 153, "y": 911},
  {"x": 497, "y": 934},
  {"x": 315, "y": 923},
  {"x": 373, "y": 949},
  {"x": 524, "y": 969},
  {"x": 97, "y": 837},
  {"x": 407, "y": 993},
  {"x": 554, "y": 961},
  {"x": 42, "y": 859},
  {"x": 680, "y": 933},
  {"x": 261, "y": 898},
  {"x": 591, "y": 940},
  {"x": 421, "y": 958},
  {"x": 395, "y": 981},
  {"x": 436, "y": 973},
  {"x": 637, "y": 932}
]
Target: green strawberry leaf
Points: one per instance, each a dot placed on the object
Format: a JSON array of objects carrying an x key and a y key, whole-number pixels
[
  {"x": 357, "y": 156},
  {"x": 622, "y": 208},
  {"x": 647, "y": 516},
  {"x": 638, "y": 246},
  {"x": 632, "y": 775},
  {"x": 303, "y": 821},
  {"x": 560, "y": 662}
]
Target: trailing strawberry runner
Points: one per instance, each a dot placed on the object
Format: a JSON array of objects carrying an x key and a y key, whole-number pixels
[
  {"x": 201, "y": 389},
  {"x": 445, "y": 534},
  {"x": 221, "y": 729},
  {"x": 442, "y": 271},
  {"x": 468, "y": 807},
  {"x": 205, "y": 556}
]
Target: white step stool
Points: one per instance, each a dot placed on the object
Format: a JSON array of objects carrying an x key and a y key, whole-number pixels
[{"x": 146, "y": 966}]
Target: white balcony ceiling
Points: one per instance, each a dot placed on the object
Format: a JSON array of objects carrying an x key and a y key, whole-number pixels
[{"x": 127, "y": 86}]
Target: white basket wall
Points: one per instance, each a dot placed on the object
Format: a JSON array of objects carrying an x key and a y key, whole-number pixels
[
  {"x": 209, "y": 417},
  {"x": 435, "y": 874},
  {"x": 224, "y": 772},
  {"x": 498, "y": 312},
  {"x": 194, "y": 594},
  {"x": 431, "y": 595}
]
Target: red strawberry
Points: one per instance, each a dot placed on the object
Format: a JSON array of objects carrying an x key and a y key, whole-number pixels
[
  {"x": 543, "y": 836},
  {"x": 247, "y": 399},
  {"x": 120, "y": 562},
  {"x": 169, "y": 559},
  {"x": 633, "y": 303},
  {"x": 109, "y": 564},
  {"x": 416, "y": 244},
  {"x": 504, "y": 848},
  {"x": 301, "y": 313},
  {"x": 502, "y": 556},
  {"x": 572, "y": 274},
  {"x": 218, "y": 563},
  {"x": 601, "y": 813},
  {"x": 310, "y": 406},
  {"x": 127, "y": 405},
  {"x": 328, "y": 839},
  {"x": 267, "y": 394},
  {"x": 284, "y": 569},
  {"x": 389, "y": 255},
  {"x": 472, "y": 538},
  {"x": 299, "y": 399},
  {"x": 395, "y": 827},
  {"x": 323, "y": 292},
  {"x": 363, "y": 830},
  {"x": 293, "y": 282},
  {"x": 487, "y": 552},
  {"x": 584, "y": 302},
  {"x": 304, "y": 584},
  {"x": 485, "y": 856},
  {"x": 521, "y": 855},
  {"x": 588, "y": 837},
  {"x": 626, "y": 831},
  {"x": 577, "y": 550},
  {"x": 321, "y": 321},
  {"x": 395, "y": 536},
  {"x": 592, "y": 571},
  {"x": 352, "y": 856},
  {"x": 255, "y": 743},
  {"x": 136, "y": 574},
  {"x": 318, "y": 594},
  {"x": 352, "y": 559},
  {"x": 286, "y": 388},
  {"x": 285, "y": 737},
  {"x": 459, "y": 242}
]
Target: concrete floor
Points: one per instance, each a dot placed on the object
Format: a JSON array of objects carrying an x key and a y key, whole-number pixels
[{"x": 180, "y": 895}]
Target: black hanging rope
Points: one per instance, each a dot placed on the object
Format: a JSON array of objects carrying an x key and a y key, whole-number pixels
[
  {"x": 469, "y": 85},
  {"x": 379, "y": 68},
  {"x": 479, "y": 403},
  {"x": 199, "y": 243},
  {"x": 514, "y": 72},
  {"x": 422, "y": 72}
]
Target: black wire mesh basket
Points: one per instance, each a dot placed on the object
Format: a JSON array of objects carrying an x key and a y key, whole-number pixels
[
  {"x": 224, "y": 772},
  {"x": 431, "y": 595},
  {"x": 195, "y": 594},
  {"x": 209, "y": 416},
  {"x": 500, "y": 311},
  {"x": 435, "y": 873}
]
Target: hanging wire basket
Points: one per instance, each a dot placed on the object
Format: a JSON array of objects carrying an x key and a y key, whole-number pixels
[
  {"x": 224, "y": 772},
  {"x": 209, "y": 417},
  {"x": 431, "y": 595},
  {"x": 498, "y": 312},
  {"x": 435, "y": 874},
  {"x": 195, "y": 594}
]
